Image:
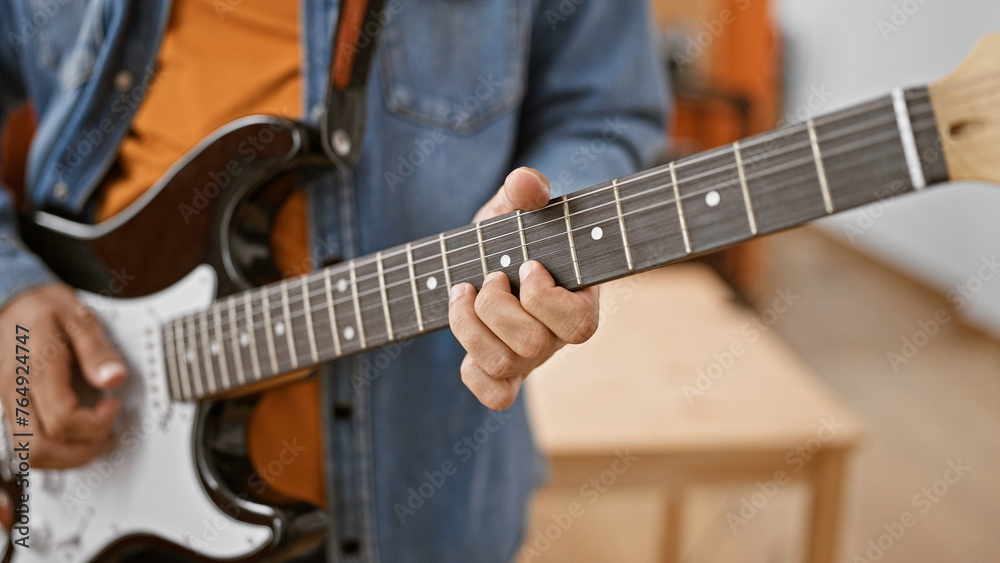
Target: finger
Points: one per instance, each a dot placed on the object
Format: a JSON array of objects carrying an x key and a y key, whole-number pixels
[
  {"x": 571, "y": 316},
  {"x": 497, "y": 394},
  {"x": 59, "y": 412},
  {"x": 525, "y": 188},
  {"x": 503, "y": 314},
  {"x": 52, "y": 454},
  {"x": 486, "y": 348},
  {"x": 62, "y": 419},
  {"x": 99, "y": 362}
]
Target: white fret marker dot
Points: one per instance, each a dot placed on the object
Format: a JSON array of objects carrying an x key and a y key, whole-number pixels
[
  {"x": 341, "y": 285},
  {"x": 189, "y": 356},
  {"x": 279, "y": 329},
  {"x": 214, "y": 348},
  {"x": 244, "y": 339},
  {"x": 432, "y": 282},
  {"x": 597, "y": 233},
  {"x": 713, "y": 198},
  {"x": 348, "y": 333},
  {"x": 504, "y": 261}
]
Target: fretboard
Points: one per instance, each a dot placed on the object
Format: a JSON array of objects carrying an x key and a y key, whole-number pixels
[{"x": 696, "y": 205}]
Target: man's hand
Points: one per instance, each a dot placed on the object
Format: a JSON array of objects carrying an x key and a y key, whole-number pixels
[
  {"x": 65, "y": 335},
  {"x": 505, "y": 337}
]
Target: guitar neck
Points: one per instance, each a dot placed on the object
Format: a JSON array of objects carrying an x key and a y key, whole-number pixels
[{"x": 761, "y": 185}]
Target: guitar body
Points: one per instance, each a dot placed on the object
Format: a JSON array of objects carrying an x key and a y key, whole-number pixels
[
  {"x": 175, "y": 484},
  {"x": 213, "y": 207}
]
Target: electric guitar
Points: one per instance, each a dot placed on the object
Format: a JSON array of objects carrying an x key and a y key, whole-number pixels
[{"x": 205, "y": 319}]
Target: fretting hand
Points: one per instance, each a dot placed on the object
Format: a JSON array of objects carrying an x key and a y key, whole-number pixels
[{"x": 506, "y": 337}]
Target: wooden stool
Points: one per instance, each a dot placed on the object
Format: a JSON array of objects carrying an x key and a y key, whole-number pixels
[{"x": 681, "y": 387}]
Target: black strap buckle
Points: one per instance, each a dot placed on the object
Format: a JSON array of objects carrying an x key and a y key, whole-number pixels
[{"x": 342, "y": 129}]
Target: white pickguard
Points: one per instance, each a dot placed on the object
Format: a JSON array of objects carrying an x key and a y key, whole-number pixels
[{"x": 148, "y": 483}]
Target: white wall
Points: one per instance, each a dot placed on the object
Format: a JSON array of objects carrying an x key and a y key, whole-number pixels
[{"x": 858, "y": 49}]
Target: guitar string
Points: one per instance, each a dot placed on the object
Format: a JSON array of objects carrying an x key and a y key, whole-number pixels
[
  {"x": 610, "y": 220},
  {"x": 720, "y": 152},
  {"x": 367, "y": 261},
  {"x": 582, "y": 228},
  {"x": 275, "y": 288},
  {"x": 374, "y": 307},
  {"x": 575, "y": 230},
  {"x": 474, "y": 263},
  {"x": 878, "y": 104},
  {"x": 870, "y": 106},
  {"x": 202, "y": 337}
]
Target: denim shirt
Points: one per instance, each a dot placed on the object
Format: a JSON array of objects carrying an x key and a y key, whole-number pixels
[{"x": 462, "y": 92}]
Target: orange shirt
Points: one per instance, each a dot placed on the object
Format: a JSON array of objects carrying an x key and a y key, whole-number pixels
[{"x": 214, "y": 67}]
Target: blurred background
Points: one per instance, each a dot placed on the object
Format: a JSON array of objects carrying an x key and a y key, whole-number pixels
[{"x": 884, "y": 320}]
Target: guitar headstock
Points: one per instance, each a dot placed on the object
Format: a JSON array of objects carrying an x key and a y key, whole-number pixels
[{"x": 967, "y": 107}]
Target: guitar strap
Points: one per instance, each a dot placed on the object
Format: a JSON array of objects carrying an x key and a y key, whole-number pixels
[{"x": 342, "y": 128}]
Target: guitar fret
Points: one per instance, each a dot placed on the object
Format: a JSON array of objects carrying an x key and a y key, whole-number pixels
[
  {"x": 482, "y": 250},
  {"x": 268, "y": 337},
  {"x": 333, "y": 316},
  {"x": 572, "y": 244},
  {"x": 223, "y": 364},
  {"x": 824, "y": 185},
  {"x": 310, "y": 330},
  {"x": 680, "y": 208},
  {"x": 444, "y": 260},
  {"x": 191, "y": 357},
  {"x": 714, "y": 198},
  {"x": 385, "y": 299},
  {"x": 357, "y": 306},
  {"x": 252, "y": 336},
  {"x": 432, "y": 289},
  {"x": 548, "y": 238},
  {"x": 171, "y": 352},
  {"x": 621, "y": 225},
  {"x": 413, "y": 286},
  {"x": 236, "y": 347},
  {"x": 746, "y": 189},
  {"x": 909, "y": 141},
  {"x": 207, "y": 353},
  {"x": 520, "y": 231},
  {"x": 288, "y": 324},
  {"x": 880, "y": 167},
  {"x": 182, "y": 356}
]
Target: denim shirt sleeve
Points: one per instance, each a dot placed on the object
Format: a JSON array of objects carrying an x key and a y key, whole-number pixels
[
  {"x": 595, "y": 108},
  {"x": 20, "y": 270}
]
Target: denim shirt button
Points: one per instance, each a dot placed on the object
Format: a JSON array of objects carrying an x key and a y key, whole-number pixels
[
  {"x": 342, "y": 411},
  {"x": 61, "y": 191},
  {"x": 123, "y": 81},
  {"x": 350, "y": 546},
  {"x": 402, "y": 96}
]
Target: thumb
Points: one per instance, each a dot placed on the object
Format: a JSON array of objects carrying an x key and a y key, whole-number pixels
[
  {"x": 99, "y": 362},
  {"x": 525, "y": 188}
]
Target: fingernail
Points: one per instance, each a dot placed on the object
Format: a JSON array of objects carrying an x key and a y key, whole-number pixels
[
  {"x": 108, "y": 371},
  {"x": 492, "y": 277},
  {"x": 527, "y": 269},
  {"x": 456, "y": 292}
]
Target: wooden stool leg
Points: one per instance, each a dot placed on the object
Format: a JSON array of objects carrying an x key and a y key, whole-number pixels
[
  {"x": 670, "y": 548},
  {"x": 828, "y": 484}
]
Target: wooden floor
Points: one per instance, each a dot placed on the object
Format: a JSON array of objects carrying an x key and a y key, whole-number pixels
[{"x": 936, "y": 410}]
